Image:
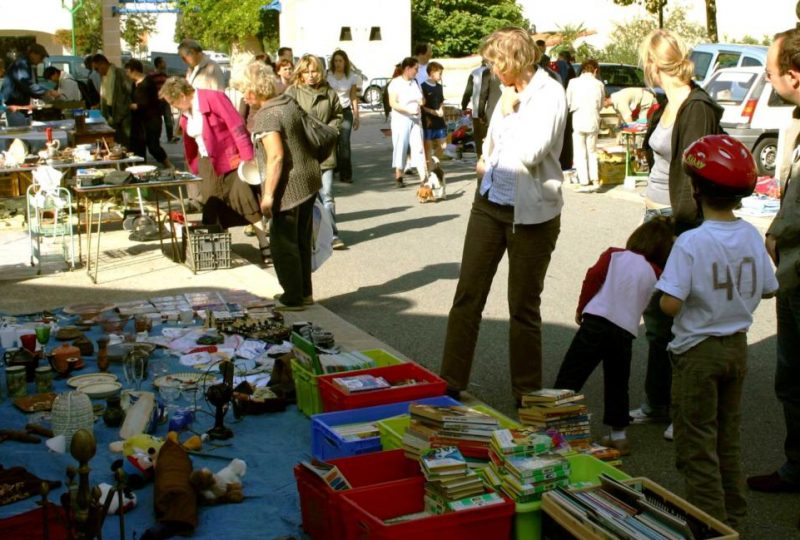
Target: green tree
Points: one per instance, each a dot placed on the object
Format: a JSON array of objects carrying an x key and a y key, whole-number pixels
[
  {"x": 623, "y": 44},
  {"x": 657, "y": 6},
  {"x": 219, "y": 25},
  {"x": 456, "y": 27},
  {"x": 134, "y": 30},
  {"x": 89, "y": 27}
]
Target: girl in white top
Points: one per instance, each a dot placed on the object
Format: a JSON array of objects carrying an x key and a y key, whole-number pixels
[
  {"x": 342, "y": 79},
  {"x": 405, "y": 99}
]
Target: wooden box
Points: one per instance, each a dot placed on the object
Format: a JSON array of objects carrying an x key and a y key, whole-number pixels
[{"x": 558, "y": 523}]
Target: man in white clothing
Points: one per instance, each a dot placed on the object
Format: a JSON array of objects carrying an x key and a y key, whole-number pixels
[
  {"x": 423, "y": 52},
  {"x": 585, "y": 96}
]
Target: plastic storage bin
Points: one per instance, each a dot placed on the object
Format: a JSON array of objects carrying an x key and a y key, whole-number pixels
[
  {"x": 364, "y": 512},
  {"x": 327, "y": 444},
  {"x": 335, "y": 398},
  {"x": 210, "y": 248},
  {"x": 582, "y": 468},
  {"x": 393, "y": 429},
  {"x": 307, "y": 387},
  {"x": 319, "y": 504}
]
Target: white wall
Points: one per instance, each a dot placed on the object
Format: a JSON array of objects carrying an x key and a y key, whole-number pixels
[
  {"x": 38, "y": 18},
  {"x": 313, "y": 26}
]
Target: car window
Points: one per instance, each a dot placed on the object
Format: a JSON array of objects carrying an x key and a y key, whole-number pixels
[
  {"x": 702, "y": 61},
  {"x": 726, "y": 60},
  {"x": 622, "y": 76},
  {"x": 750, "y": 61},
  {"x": 730, "y": 87}
]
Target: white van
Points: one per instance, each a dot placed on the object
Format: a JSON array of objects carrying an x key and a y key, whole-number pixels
[
  {"x": 753, "y": 112},
  {"x": 709, "y": 57}
]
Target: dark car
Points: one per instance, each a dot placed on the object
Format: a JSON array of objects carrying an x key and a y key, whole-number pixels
[{"x": 618, "y": 76}]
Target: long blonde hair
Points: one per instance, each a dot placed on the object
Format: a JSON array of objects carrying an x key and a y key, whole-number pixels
[{"x": 664, "y": 52}]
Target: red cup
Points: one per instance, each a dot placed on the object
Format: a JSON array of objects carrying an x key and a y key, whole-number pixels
[{"x": 29, "y": 342}]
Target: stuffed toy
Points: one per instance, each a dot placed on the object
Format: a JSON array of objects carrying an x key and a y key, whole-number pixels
[
  {"x": 128, "y": 499},
  {"x": 139, "y": 454},
  {"x": 223, "y": 487}
]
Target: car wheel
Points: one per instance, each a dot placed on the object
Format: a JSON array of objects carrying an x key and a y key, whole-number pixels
[
  {"x": 765, "y": 153},
  {"x": 373, "y": 97}
]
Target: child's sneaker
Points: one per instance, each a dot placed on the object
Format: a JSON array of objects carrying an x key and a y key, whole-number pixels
[
  {"x": 623, "y": 446},
  {"x": 668, "y": 433},
  {"x": 643, "y": 416}
]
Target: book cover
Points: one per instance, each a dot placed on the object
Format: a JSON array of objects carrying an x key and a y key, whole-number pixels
[
  {"x": 549, "y": 396},
  {"x": 535, "y": 466},
  {"x": 487, "y": 499},
  {"x": 330, "y": 474},
  {"x": 515, "y": 441},
  {"x": 438, "y": 460},
  {"x": 361, "y": 383},
  {"x": 456, "y": 414}
]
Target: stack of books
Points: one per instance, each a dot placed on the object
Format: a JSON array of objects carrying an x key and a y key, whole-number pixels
[
  {"x": 521, "y": 467},
  {"x": 437, "y": 427},
  {"x": 451, "y": 485},
  {"x": 560, "y": 410},
  {"x": 361, "y": 383}
]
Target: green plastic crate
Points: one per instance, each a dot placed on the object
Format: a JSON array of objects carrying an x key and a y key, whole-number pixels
[
  {"x": 392, "y": 429},
  {"x": 582, "y": 468},
  {"x": 307, "y": 386}
]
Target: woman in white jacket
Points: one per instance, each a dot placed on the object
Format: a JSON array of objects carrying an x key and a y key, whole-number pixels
[{"x": 517, "y": 209}]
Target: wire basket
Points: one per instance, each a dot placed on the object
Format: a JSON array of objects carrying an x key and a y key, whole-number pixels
[{"x": 71, "y": 411}]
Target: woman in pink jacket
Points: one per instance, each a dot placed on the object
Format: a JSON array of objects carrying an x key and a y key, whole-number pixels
[{"x": 216, "y": 142}]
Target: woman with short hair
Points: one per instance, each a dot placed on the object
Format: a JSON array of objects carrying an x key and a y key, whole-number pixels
[
  {"x": 517, "y": 209},
  {"x": 214, "y": 144},
  {"x": 315, "y": 96},
  {"x": 290, "y": 181}
]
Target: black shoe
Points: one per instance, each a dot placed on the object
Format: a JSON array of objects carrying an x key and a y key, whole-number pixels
[
  {"x": 771, "y": 483},
  {"x": 398, "y": 182},
  {"x": 453, "y": 393},
  {"x": 346, "y": 180}
]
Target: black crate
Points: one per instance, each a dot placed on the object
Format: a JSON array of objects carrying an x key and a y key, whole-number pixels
[{"x": 210, "y": 249}]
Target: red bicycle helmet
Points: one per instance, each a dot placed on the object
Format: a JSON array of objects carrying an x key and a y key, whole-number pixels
[{"x": 723, "y": 166}]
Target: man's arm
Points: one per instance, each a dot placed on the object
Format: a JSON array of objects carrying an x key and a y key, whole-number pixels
[{"x": 670, "y": 305}]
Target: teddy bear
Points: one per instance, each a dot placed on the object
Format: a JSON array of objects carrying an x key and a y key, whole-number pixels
[{"x": 223, "y": 487}]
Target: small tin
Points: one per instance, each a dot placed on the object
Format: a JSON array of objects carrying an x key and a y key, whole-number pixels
[
  {"x": 181, "y": 420},
  {"x": 44, "y": 379},
  {"x": 15, "y": 380}
]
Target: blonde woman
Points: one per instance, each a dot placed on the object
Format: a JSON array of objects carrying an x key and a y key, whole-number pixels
[
  {"x": 517, "y": 209},
  {"x": 291, "y": 180},
  {"x": 315, "y": 96},
  {"x": 688, "y": 115}
]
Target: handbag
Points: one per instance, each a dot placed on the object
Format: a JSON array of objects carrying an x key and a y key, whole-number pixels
[{"x": 321, "y": 137}]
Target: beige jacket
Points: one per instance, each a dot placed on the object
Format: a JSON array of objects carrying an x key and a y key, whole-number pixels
[{"x": 207, "y": 75}]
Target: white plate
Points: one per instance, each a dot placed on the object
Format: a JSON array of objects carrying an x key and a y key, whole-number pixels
[
  {"x": 100, "y": 390},
  {"x": 91, "y": 378},
  {"x": 186, "y": 379},
  {"x": 141, "y": 169}
]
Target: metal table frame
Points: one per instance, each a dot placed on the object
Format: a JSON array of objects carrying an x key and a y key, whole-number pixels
[{"x": 158, "y": 187}]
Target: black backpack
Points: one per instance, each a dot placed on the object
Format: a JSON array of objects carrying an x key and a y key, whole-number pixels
[{"x": 89, "y": 94}]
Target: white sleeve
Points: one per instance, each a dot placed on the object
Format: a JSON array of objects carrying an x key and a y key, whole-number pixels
[
  {"x": 676, "y": 280},
  {"x": 542, "y": 127}
]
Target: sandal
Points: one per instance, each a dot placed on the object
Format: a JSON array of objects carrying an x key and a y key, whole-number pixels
[
  {"x": 266, "y": 254},
  {"x": 398, "y": 182}
]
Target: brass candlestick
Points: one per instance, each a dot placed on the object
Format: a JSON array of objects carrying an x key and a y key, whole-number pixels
[{"x": 85, "y": 504}]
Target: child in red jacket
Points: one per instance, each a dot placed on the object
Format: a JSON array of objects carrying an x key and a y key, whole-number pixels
[{"x": 615, "y": 292}]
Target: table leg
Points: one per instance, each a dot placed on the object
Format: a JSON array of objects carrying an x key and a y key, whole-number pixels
[
  {"x": 99, "y": 231},
  {"x": 187, "y": 233},
  {"x": 89, "y": 209},
  {"x": 158, "y": 218}
]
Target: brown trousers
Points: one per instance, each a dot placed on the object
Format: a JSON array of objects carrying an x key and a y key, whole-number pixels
[
  {"x": 226, "y": 199},
  {"x": 490, "y": 234},
  {"x": 706, "y": 411}
]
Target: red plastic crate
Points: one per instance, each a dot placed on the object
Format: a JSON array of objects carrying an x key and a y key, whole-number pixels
[
  {"x": 336, "y": 399},
  {"x": 364, "y": 512},
  {"x": 320, "y": 505}
]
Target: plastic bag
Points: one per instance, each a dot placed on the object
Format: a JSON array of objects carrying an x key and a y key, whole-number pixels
[{"x": 321, "y": 236}]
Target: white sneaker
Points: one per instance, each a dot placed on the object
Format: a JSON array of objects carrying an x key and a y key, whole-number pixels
[
  {"x": 639, "y": 416},
  {"x": 668, "y": 433}
]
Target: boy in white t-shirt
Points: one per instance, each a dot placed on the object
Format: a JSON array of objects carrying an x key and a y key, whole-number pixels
[{"x": 715, "y": 278}]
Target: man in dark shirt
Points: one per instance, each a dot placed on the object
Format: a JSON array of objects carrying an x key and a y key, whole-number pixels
[
  {"x": 20, "y": 86},
  {"x": 145, "y": 114},
  {"x": 159, "y": 75}
]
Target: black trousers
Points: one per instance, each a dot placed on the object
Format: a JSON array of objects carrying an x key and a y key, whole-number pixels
[
  {"x": 600, "y": 340},
  {"x": 290, "y": 243},
  {"x": 146, "y": 135}
]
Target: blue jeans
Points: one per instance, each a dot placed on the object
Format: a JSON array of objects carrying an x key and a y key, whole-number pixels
[
  {"x": 343, "y": 162},
  {"x": 787, "y": 379},
  {"x": 326, "y": 196}
]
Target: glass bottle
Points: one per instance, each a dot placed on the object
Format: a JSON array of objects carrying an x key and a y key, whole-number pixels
[{"x": 102, "y": 353}]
